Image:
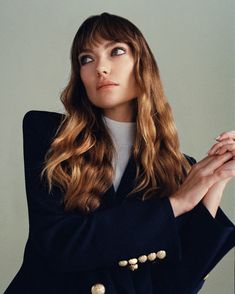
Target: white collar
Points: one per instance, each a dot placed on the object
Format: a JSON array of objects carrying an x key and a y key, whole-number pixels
[{"x": 122, "y": 132}]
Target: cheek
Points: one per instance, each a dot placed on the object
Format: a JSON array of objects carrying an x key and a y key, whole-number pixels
[
  {"x": 131, "y": 82},
  {"x": 87, "y": 80},
  {"x": 125, "y": 70},
  {"x": 83, "y": 76},
  {"x": 129, "y": 76}
]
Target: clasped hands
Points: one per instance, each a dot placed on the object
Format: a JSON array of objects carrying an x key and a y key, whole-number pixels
[{"x": 207, "y": 178}]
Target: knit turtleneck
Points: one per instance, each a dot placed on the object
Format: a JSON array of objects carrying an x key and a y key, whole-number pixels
[{"x": 123, "y": 135}]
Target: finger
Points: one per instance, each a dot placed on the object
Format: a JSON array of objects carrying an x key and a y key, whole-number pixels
[
  {"x": 216, "y": 146},
  {"x": 215, "y": 160},
  {"x": 225, "y": 148},
  {"x": 224, "y": 174},
  {"x": 207, "y": 167},
  {"x": 203, "y": 162},
  {"x": 225, "y": 135},
  {"x": 218, "y": 177},
  {"x": 229, "y": 165}
]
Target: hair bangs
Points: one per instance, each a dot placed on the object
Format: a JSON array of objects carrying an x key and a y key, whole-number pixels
[{"x": 108, "y": 27}]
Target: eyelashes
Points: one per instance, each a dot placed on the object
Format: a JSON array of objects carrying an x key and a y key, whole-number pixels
[{"x": 84, "y": 57}]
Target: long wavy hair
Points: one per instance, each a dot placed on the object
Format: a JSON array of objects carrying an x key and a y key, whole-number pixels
[{"x": 79, "y": 159}]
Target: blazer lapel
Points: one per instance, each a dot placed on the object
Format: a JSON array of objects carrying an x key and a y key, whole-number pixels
[
  {"x": 127, "y": 180},
  {"x": 127, "y": 183}
]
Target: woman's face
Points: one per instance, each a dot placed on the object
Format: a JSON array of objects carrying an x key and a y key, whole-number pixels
[{"x": 110, "y": 61}]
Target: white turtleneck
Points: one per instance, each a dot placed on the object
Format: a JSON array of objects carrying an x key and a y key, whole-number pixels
[{"x": 123, "y": 134}]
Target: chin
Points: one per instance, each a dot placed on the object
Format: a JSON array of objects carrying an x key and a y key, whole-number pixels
[{"x": 108, "y": 104}]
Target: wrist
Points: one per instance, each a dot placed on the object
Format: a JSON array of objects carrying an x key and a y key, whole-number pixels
[
  {"x": 179, "y": 207},
  {"x": 218, "y": 188},
  {"x": 213, "y": 197}
]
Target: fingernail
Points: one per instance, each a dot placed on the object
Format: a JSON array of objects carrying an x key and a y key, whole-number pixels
[{"x": 217, "y": 138}]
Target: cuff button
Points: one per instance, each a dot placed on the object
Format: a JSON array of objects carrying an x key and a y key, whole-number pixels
[
  {"x": 133, "y": 267},
  {"x": 123, "y": 263},
  {"x": 152, "y": 256},
  {"x": 133, "y": 261},
  {"x": 161, "y": 254},
  {"x": 142, "y": 258},
  {"x": 98, "y": 289}
]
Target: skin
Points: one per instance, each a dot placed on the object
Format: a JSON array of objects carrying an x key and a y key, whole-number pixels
[
  {"x": 208, "y": 178},
  {"x": 225, "y": 143},
  {"x": 116, "y": 64}
]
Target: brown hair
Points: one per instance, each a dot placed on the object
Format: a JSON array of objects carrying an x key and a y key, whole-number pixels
[{"x": 79, "y": 158}]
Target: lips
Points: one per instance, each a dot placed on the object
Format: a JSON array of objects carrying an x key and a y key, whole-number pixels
[{"x": 106, "y": 83}]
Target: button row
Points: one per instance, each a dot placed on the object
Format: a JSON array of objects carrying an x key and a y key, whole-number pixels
[{"x": 133, "y": 262}]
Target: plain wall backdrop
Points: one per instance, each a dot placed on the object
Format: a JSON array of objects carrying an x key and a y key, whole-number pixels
[{"x": 194, "y": 45}]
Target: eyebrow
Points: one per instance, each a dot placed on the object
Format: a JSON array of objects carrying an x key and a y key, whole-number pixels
[{"x": 107, "y": 45}]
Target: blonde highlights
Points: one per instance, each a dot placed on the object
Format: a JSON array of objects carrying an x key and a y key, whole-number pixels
[{"x": 79, "y": 158}]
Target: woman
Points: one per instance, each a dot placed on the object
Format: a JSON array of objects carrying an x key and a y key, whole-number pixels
[{"x": 114, "y": 205}]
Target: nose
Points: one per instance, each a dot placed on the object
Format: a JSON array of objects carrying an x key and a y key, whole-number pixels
[{"x": 102, "y": 71}]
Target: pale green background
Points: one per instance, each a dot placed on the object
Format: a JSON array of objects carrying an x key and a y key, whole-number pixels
[{"x": 193, "y": 42}]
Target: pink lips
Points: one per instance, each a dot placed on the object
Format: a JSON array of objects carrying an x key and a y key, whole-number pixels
[
  {"x": 106, "y": 83},
  {"x": 106, "y": 86}
]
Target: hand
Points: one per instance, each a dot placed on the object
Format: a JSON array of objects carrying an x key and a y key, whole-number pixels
[
  {"x": 214, "y": 195},
  {"x": 225, "y": 142},
  {"x": 201, "y": 177}
]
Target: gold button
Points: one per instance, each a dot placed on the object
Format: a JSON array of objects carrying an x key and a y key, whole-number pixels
[
  {"x": 133, "y": 261},
  {"x": 133, "y": 267},
  {"x": 123, "y": 263},
  {"x": 142, "y": 258},
  {"x": 161, "y": 254},
  {"x": 98, "y": 289},
  {"x": 152, "y": 256},
  {"x": 206, "y": 277}
]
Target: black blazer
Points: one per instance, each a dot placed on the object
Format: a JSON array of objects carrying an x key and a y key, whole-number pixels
[{"x": 68, "y": 253}]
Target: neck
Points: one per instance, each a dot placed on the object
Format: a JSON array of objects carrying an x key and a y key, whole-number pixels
[{"x": 122, "y": 113}]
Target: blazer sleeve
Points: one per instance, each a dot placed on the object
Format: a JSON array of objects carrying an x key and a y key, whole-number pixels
[
  {"x": 204, "y": 241},
  {"x": 71, "y": 241}
]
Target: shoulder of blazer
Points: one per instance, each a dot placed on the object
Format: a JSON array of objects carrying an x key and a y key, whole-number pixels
[
  {"x": 42, "y": 122},
  {"x": 46, "y": 123}
]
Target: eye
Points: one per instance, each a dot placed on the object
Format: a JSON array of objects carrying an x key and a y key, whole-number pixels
[
  {"x": 84, "y": 57},
  {"x": 82, "y": 62},
  {"x": 118, "y": 48}
]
